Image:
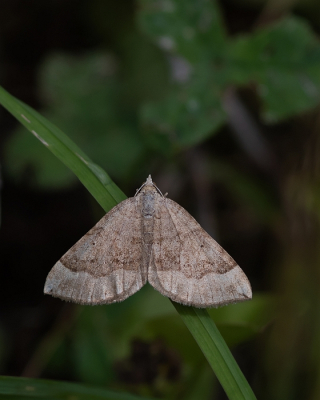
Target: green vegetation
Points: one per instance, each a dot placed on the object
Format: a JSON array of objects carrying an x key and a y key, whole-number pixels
[{"x": 161, "y": 98}]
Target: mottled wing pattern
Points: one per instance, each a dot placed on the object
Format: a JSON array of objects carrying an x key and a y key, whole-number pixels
[
  {"x": 188, "y": 265},
  {"x": 105, "y": 265}
]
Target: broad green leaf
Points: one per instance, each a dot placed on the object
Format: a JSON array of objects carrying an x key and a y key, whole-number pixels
[
  {"x": 93, "y": 177},
  {"x": 26, "y": 159},
  {"x": 82, "y": 95},
  {"x": 185, "y": 27},
  {"x": 25, "y": 388},
  {"x": 282, "y": 60},
  {"x": 193, "y": 110},
  {"x": 187, "y": 116}
]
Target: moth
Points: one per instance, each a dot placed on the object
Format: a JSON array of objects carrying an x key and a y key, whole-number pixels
[{"x": 151, "y": 238}]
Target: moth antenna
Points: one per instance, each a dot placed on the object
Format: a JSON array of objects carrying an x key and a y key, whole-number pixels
[
  {"x": 138, "y": 190},
  {"x": 147, "y": 182},
  {"x": 158, "y": 189}
]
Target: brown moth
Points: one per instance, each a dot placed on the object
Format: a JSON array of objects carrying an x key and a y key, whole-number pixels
[{"x": 151, "y": 238}]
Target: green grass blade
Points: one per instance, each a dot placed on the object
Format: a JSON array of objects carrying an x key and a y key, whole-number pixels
[
  {"x": 91, "y": 175},
  {"x": 108, "y": 194},
  {"x": 216, "y": 351},
  {"x": 26, "y": 388}
]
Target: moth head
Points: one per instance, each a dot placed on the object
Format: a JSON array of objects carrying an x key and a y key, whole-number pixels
[
  {"x": 149, "y": 181},
  {"x": 149, "y": 186}
]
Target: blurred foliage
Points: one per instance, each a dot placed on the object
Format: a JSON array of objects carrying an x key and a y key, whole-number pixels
[
  {"x": 121, "y": 116},
  {"x": 90, "y": 353},
  {"x": 282, "y": 60},
  {"x": 252, "y": 194},
  {"x": 158, "y": 92},
  {"x": 92, "y": 176},
  {"x": 85, "y": 101},
  {"x": 162, "y": 363}
]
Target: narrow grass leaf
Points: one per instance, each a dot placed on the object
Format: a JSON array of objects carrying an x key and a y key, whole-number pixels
[
  {"x": 26, "y": 388},
  {"x": 216, "y": 351},
  {"x": 108, "y": 194},
  {"x": 94, "y": 178}
]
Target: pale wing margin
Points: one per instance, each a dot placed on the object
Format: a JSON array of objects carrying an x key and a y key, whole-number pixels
[
  {"x": 105, "y": 265},
  {"x": 202, "y": 274}
]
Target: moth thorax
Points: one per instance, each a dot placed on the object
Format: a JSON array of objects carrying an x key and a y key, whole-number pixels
[{"x": 148, "y": 200}]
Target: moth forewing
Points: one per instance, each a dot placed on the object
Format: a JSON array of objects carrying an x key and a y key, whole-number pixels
[{"x": 148, "y": 237}]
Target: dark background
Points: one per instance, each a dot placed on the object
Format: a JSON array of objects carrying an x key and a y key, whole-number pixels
[{"x": 252, "y": 181}]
